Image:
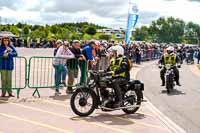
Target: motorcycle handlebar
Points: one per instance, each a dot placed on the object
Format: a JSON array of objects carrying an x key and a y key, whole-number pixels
[
  {"x": 101, "y": 73},
  {"x": 178, "y": 66}
]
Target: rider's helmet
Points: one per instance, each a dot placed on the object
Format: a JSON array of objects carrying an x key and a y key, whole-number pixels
[
  {"x": 119, "y": 50},
  {"x": 170, "y": 50}
]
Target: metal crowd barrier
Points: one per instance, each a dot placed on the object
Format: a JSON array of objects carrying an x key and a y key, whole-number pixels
[
  {"x": 18, "y": 77},
  {"x": 146, "y": 55},
  {"x": 102, "y": 63},
  {"x": 41, "y": 72}
]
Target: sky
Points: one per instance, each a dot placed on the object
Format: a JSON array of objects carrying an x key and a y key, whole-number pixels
[{"x": 110, "y": 13}]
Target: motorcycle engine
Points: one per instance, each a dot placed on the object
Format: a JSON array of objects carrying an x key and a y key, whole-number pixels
[{"x": 107, "y": 98}]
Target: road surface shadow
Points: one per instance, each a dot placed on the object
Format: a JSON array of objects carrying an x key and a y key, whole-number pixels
[
  {"x": 174, "y": 92},
  {"x": 109, "y": 119},
  {"x": 4, "y": 100},
  {"x": 61, "y": 97}
]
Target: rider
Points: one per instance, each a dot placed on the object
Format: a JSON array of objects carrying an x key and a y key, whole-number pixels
[
  {"x": 170, "y": 58},
  {"x": 180, "y": 54},
  {"x": 198, "y": 55},
  {"x": 119, "y": 67}
]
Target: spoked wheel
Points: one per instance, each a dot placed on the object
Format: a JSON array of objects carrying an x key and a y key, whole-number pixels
[
  {"x": 83, "y": 102},
  {"x": 131, "y": 98}
]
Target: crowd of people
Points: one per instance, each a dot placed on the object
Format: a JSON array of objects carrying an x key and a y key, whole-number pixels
[{"x": 96, "y": 53}]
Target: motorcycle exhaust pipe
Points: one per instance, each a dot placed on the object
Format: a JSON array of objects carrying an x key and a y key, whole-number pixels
[{"x": 127, "y": 107}]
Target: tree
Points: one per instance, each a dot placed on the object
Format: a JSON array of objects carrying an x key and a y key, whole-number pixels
[
  {"x": 38, "y": 34},
  {"x": 63, "y": 34},
  {"x": 14, "y": 30},
  {"x": 104, "y": 37},
  {"x": 91, "y": 30},
  {"x": 54, "y": 29},
  {"x": 168, "y": 30},
  {"x": 141, "y": 34},
  {"x": 26, "y": 30},
  {"x": 19, "y": 25},
  {"x": 192, "y": 33}
]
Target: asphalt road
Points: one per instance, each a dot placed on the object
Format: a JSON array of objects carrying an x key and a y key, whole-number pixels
[{"x": 182, "y": 106}]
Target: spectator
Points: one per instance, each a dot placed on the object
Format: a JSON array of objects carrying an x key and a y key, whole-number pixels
[
  {"x": 104, "y": 60},
  {"x": 58, "y": 44},
  {"x": 138, "y": 55},
  {"x": 198, "y": 55},
  {"x": 88, "y": 52},
  {"x": 73, "y": 65},
  {"x": 7, "y": 52},
  {"x": 59, "y": 64},
  {"x": 96, "y": 55}
]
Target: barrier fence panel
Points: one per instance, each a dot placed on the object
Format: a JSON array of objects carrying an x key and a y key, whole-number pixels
[
  {"x": 101, "y": 64},
  {"x": 16, "y": 78},
  {"x": 44, "y": 70}
]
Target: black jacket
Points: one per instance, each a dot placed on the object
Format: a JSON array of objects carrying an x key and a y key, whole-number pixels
[{"x": 77, "y": 52}]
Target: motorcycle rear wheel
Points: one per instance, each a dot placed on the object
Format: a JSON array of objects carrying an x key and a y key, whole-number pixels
[{"x": 133, "y": 98}]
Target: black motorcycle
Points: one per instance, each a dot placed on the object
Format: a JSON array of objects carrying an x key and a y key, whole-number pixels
[
  {"x": 181, "y": 57},
  {"x": 189, "y": 58},
  {"x": 99, "y": 94},
  {"x": 169, "y": 76}
]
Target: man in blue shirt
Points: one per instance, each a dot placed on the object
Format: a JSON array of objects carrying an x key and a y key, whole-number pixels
[{"x": 87, "y": 52}]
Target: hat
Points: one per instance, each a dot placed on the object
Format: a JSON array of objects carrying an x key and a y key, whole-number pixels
[
  {"x": 59, "y": 41},
  {"x": 76, "y": 41},
  {"x": 66, "y": 43},
  {"x": 91, "y": 42},
  {"x": 104, "y": 44}
]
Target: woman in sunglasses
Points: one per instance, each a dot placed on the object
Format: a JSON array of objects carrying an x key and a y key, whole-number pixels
[{"x": 7, "y": 52}]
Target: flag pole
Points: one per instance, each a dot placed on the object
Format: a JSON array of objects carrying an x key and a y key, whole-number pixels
[{"x": 127, "y": 22}]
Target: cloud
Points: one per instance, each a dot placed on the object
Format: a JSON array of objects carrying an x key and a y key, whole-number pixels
[
  {"x": 147, "y": 17},
  {"x": 103, "y": 8},
  {"x": 195, "y": 0},
  {"x": 104, "y": 12},
  {"x": 12, "y": 4}
]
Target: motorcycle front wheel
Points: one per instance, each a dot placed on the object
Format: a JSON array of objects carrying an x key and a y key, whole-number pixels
[
  {"x": 169, "y": 84},
  {"x": 83, "y": 102},
  {"x": 131, "y": 98}
]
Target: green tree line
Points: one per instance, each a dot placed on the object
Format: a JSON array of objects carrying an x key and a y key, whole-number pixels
[
  {"x": 166, "y": 30},
  {"x": 70, "y": 31},
  {"x": 169, "y": 30}
]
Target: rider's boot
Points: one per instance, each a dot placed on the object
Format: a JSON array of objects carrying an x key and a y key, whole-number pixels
[
  {"x": 178, "y": 83},
  {"x": 163, "y": 83},
  {"x": 118, "y": 102}
]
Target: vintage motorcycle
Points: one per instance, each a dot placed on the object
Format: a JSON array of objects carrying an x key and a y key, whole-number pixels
[
  {"x": 99, "y": 94},
  {"x": 169, "y": 76},
  {"x": 189, "y": 58}
]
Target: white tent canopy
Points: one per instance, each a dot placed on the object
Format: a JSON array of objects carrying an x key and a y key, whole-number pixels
[{"x": 6, "y": 33}]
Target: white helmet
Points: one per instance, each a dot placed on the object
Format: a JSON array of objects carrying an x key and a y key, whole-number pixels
[
  {"x": 170, "y": 48},
  {"x": 119, "y": 49}
]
